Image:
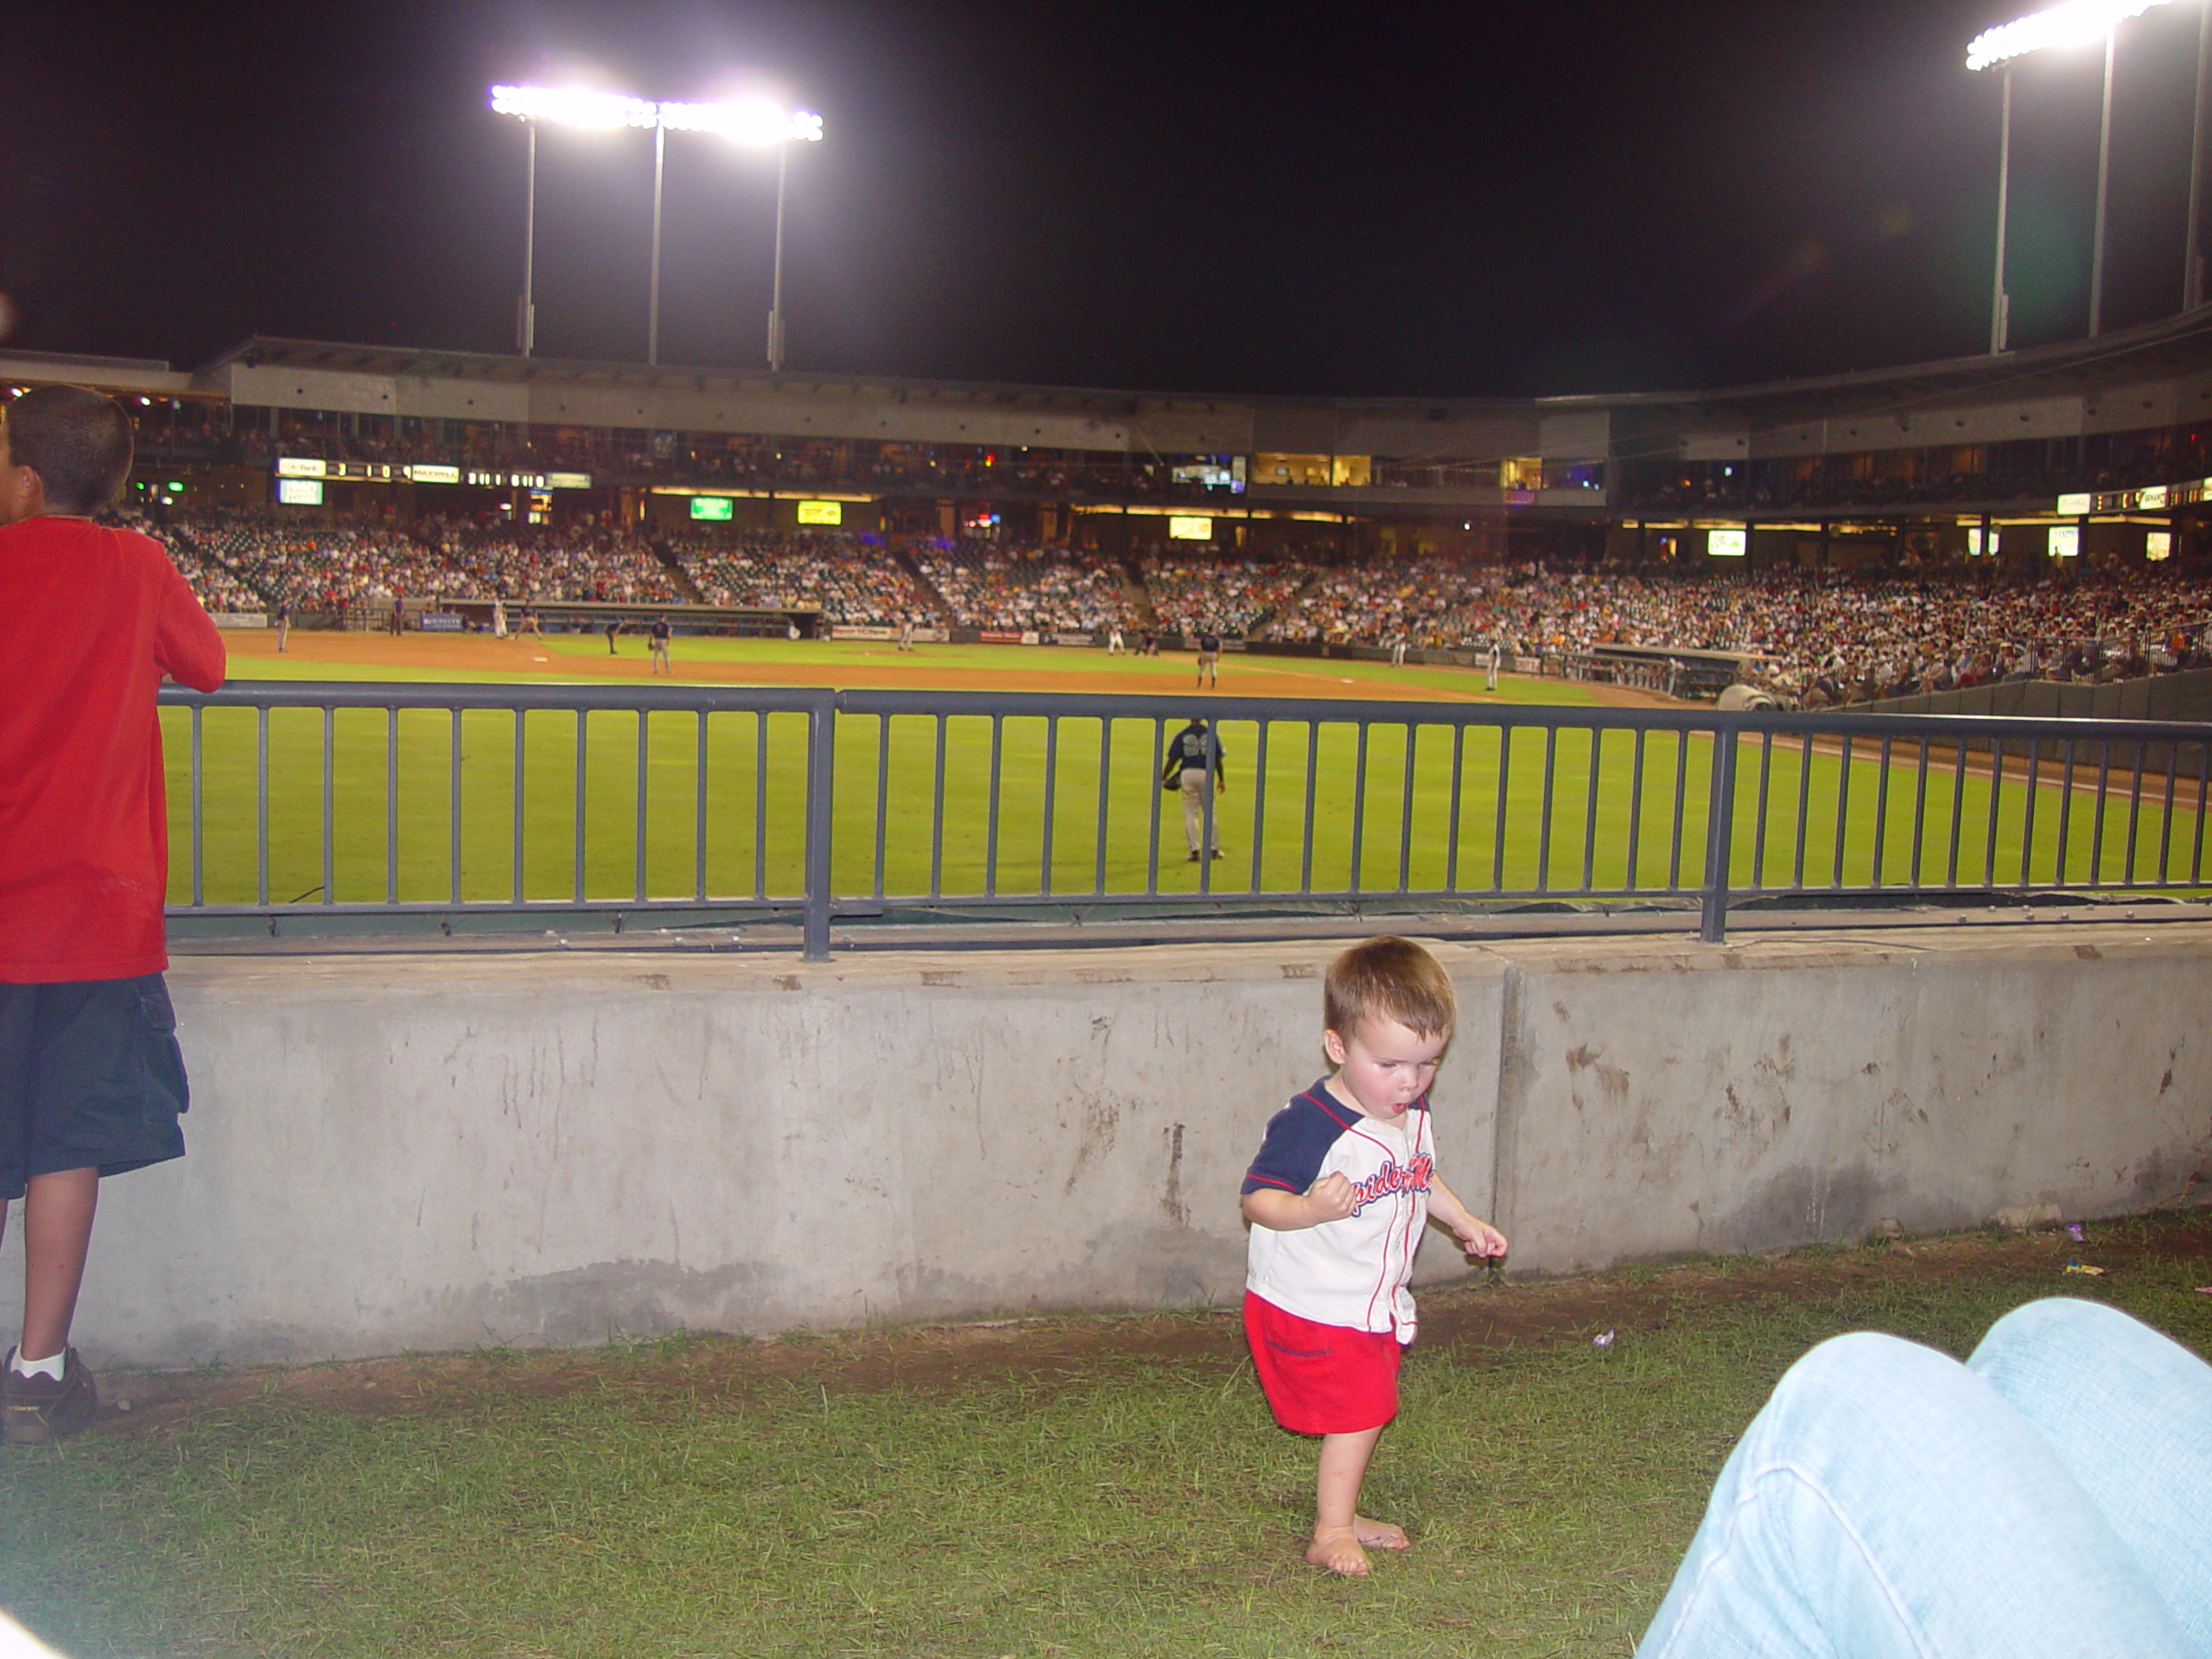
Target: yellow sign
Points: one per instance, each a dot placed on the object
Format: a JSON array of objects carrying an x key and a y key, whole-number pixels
[{"x": 821, "y": 512}]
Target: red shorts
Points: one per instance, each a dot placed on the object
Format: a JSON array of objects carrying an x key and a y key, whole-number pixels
[{"x": 1322, "y": 1379}]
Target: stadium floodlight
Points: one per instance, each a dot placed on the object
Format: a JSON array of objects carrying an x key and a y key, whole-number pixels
[
  {"x": 754, "y": 121},
  {"x": 573, "y": 106},
  {"x": 748, "y": 120},
  {"x": 2077, "y": 23}
]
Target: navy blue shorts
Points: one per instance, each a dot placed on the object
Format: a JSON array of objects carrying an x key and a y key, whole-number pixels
[{"x": 90, "y": 1077}]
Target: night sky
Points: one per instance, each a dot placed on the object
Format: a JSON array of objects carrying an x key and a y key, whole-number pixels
[{"x": 1395, "y": 199}]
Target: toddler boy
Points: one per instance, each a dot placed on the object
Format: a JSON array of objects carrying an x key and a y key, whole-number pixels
[{"x": 1337, "y": 1199}]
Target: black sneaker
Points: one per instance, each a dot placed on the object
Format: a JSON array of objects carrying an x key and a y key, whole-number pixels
[
  {"x": 36, "y": 1409},
  {"x": 1193, "y": 857}
]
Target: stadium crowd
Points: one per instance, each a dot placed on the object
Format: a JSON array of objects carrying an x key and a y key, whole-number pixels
[
  {"x": 1830, "y": 636},
  {"x": 336, "y": 567},
  {"x": 850, "y": 579},
  {"x": 1229, "y": 595},
  {"x": 985, "y": 585}
]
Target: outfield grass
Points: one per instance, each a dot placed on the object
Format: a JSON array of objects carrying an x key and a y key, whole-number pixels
[
  {"x": 1078, "y": 1487},
  {"x": 1612, "y": 826}
]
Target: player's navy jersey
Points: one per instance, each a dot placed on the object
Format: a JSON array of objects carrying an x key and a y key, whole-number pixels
[
  {"x": 1193, "y": 748},
  {"x": 1351, "y": 1272}
]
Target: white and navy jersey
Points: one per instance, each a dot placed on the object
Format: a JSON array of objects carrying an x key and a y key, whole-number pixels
[{"x": 1351, "y": 1272}]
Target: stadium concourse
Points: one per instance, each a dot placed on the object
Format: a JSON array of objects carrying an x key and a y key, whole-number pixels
[{"x": 1826, "y": 636}]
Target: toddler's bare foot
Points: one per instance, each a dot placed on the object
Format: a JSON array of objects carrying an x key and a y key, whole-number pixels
[
  {"x": 1336, "y": 1549},
  {"x": 1379, "y": 1535}
]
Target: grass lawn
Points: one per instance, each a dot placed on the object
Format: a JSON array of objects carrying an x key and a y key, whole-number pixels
[{"x": 1062, "y": 1486}]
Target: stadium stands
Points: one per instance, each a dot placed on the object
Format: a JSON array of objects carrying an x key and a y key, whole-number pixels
[
  {"x": 337, "y": 566},
  {"x": 1828, "y": 636},
  {"x": 1239, "y": 596},
  {"x": 985, "y": 585},
  {"x": 847, "y": 579},
  {"x": 2049, "y": 512}
]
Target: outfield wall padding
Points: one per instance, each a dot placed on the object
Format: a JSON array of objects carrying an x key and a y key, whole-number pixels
[
  {"x": 432, "y": 1151},
  {"x": 2183, "y": 698}
]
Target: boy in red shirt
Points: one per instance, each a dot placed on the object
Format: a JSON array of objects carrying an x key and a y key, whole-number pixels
[{"x": 90, "y": 1080}]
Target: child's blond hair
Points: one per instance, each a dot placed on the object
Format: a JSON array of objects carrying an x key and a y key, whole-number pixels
[{"x": 1388, "y": 978}]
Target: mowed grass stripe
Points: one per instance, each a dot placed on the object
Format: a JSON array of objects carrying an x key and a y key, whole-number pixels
[{"x": 1335, "y": 814}]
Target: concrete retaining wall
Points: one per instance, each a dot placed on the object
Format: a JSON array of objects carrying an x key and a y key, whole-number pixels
[{"x": 435, "y": 1152}]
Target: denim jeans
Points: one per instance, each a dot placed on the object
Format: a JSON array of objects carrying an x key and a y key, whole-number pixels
[{"x": 2051, "y": 1496}]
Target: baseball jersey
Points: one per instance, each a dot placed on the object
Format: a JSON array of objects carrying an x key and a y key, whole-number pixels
[
  {"x": 1192, "y": 749},
  {"x": 1353, "y": 1271}
]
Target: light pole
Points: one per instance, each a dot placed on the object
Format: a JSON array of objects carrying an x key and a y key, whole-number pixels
[
  {"x": 2076, "y": 23},
  {"x": 572, "y": 106},
  {"x": 526, "y": 313},
  {"x": 747, "y": 121},
  {"x": 2000, "y": 303},
  {"x": 2104, "y": 191},
  {"x": 2192, "y": 268},
  {"x": 652, "y": 299},
  {"x": 756, "y": 122},
  {"x": 807, "y": 129},
  {"x": 776, "y": 282}
]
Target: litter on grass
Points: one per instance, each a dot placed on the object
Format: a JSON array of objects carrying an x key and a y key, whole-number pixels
[
  {"x": 2075, "y": 1266},
  {"x": 2074, "y": 1232},
  {"x": 1606, "y": 1341}
]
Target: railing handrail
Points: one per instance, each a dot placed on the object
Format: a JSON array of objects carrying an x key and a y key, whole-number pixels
[
  {"x": 2072, "y": 749},
  {"x": 1178, "y": 706}
]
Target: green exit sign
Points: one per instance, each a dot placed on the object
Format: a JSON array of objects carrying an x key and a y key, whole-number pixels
[{"x": 712, "y": 506}]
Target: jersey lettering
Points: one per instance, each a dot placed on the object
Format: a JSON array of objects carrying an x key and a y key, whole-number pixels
[{"x": 1393, "y": 1178}]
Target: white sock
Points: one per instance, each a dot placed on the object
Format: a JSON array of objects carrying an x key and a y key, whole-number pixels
[{"x": 51, "y": 1366}]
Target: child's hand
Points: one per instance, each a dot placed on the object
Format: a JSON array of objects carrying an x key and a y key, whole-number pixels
[
  {"x": 1479, "y": 1237},
  {"x": 1331, "y": 1199}
]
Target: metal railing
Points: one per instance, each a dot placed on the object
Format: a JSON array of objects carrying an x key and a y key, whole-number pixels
[{"x": 401, "y": 805}]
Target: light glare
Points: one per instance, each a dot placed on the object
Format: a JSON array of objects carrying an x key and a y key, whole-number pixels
[
  {"x": 573, "y": 106},
  {"x": 2075, "y": 24},
  {"x": 748, "y": 120}
]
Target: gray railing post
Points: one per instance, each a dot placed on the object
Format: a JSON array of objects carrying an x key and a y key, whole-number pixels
[
  {"x": 1720, "y": 832},
  {"x": 821, "y": 765}
]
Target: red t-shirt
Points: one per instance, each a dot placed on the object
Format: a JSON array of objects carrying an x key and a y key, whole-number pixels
[{"x": 90, "y": 620}]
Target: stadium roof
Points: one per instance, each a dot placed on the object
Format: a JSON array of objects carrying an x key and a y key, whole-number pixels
[
  {"x": 2176, "y": 345},
  {"x": 263, "y": 350}
]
